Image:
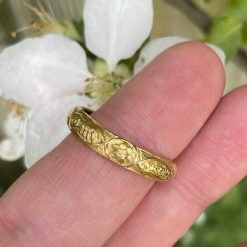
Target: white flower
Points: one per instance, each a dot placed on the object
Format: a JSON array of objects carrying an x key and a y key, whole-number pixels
[
  {"x": 41, "y": 79},
  {"x": 33, "y": 73}
]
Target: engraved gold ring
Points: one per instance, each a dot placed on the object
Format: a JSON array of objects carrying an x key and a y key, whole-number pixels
[{"x": 117, "y": 149}]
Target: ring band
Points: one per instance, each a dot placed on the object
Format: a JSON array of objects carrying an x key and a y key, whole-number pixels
[{"x": 117, "y": 149}]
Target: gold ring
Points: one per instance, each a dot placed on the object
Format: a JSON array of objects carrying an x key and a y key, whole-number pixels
[{"x": 118, "y": 149}]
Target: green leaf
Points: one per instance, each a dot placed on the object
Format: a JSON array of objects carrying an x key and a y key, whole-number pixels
[
  {"x": 244, "y": 34},
  {"x": 237, "y": 9},
  {"x": 226, "y": 33}
]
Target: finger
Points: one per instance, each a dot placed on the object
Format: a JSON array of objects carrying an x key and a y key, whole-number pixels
[
  {"x": 78, "y": 196},
  {"x": 213, "y": 163}
]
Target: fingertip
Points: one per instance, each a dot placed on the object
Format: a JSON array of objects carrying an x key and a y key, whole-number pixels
[
  {"x": 193, "y": 63},
  {"x": 238, "y": 95},
  {"x": 196, "y": 70},
  {"x": 205, "y": 59}
]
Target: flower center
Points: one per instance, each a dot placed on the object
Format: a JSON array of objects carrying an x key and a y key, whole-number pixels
[
  {"x": 47, "y": 23},
  {"x": 18, "y": 110},
  {"x": 105, "y": 83}
]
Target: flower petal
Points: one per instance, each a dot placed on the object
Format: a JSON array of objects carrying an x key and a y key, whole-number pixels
[
  {"x": 48, "y": 126},
  {"x": 12, "y": 149},
  {"x": 38, "y": 69},
  {"x": 114, "y": 30},
  {"x": 12, "y": 145},
  {"x": 154, "y": 48}
]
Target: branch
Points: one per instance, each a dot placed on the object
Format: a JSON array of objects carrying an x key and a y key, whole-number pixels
[{"x": 199, "y": 17}]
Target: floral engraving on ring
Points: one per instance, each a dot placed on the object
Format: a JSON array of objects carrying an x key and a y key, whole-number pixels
[
  {"x": 154, "y": 168},
  {"x": 121, "y": 151},
  {"x": 87, "y": 130}
]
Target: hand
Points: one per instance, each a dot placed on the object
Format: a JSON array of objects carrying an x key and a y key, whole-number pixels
[{"x": 75, "y": 197}]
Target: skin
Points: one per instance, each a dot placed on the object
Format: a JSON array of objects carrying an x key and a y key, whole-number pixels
[{"x": 75, "y": 197}]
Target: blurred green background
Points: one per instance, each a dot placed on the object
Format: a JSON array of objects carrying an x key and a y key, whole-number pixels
[{"x": 224, "y": 224}]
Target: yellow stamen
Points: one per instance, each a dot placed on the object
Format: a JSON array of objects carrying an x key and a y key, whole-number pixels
[
  {"x": 47, "y": 22},
  {"x": 17, "y": 109}
]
